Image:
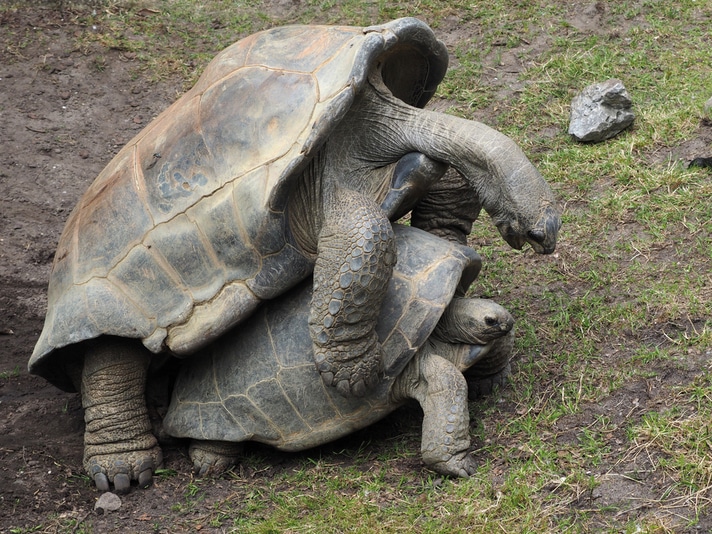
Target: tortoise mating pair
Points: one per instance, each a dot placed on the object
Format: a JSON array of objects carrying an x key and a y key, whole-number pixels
[{"x": 290, "y": 156}]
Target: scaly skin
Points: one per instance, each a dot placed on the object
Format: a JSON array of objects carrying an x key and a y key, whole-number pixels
[
  {"x": 118, "y": 444},
  {"x": 441, "y": 391},
  {"x": 210, "y": 458},
  {"x": 355, "y": 259},
  {"x": 448, "y": 210},
  {"x": 435, "y": 379}
]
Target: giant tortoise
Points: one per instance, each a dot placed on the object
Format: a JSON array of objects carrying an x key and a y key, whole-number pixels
[
  {"x": 289, "y": 156},
  {"x": 258, "y": 382}
]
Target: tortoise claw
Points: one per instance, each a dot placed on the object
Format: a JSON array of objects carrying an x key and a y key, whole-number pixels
[
  {"x": 101, "y": 481},
  {"x": 328, "y": 378},
  {"x": 122, "y": 483},
  {"x": 145, "y": 478},
  {"x": 459, "y": 465},
  {"x": 199, "y": 470}
]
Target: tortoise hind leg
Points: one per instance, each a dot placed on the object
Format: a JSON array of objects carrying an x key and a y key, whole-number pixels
[
  {"x": 210, "y": 458},
  {"x": 118, "y": 444},
  {"x": 355, "y": 258},
  {"x": 441, "y": 391}
]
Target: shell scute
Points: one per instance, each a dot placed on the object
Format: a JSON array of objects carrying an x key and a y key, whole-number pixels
[
  {"x": 224, "y": 64},
  {"x": 108, "y": 309},
  {"x": 241, "y": 407},
  {"x": 173, "y": 164},
  {"x": 98, "y": 245},
  {"x": 261, "y": 229},
  {"x": 279, "y": 272},
  {"x": 299, "y": 48},
  {"x": 270, "y": 399},
  {"x": 307, "y": 395},
  {"x": 218, "y": 417},
  {"x": 191, "y": 258},
  {"x": 261, "y": 368},
  {"x": 145, "y": 278},
  {"x": 218, "y": 220},
  {"x": 268, "y": 110},
  {"x": 231, "y": 305},
  {"x": 330, "y": 77}
]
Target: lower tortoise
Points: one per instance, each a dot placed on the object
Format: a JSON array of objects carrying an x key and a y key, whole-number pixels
[{"x": 259, "y": 383}]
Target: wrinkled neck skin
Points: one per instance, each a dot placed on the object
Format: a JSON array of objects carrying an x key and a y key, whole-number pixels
[{"x": 379, "y": 129}]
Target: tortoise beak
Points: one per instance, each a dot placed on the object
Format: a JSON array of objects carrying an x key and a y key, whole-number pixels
[{"x": 542, "y": 236}]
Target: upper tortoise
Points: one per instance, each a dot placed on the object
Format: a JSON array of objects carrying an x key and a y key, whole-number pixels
[{"x": 291, "y": 154}]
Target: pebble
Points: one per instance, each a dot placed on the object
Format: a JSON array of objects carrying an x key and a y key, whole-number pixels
[{"x": 108, "y": 502}]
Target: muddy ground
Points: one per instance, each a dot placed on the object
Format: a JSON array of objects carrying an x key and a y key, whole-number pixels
[{"x": 64, "y": 112}]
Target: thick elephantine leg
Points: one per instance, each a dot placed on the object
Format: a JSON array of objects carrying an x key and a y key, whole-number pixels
[
  {"x": 449, "y": 209},
  {"x": 118, "y": 443},
  {"x": 492, "y": 370},
  {"x": 355, "y": 258},
  {"x": 211, "y": 458},
  {"x": 441, "y": 391}
]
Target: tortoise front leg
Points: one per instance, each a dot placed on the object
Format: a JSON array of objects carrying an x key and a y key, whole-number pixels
[
  {"x": 449, "y": 208},
  {"x": 118, "y": 443},
  {"x": 441, "y": 391},
  {"x": 355, "y": 258}
]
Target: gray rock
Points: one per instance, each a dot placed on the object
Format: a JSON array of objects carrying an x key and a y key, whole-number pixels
[
  {"x": 600, "y": 111},
  {"x": 108, "y": 502},
  {"x": 708, "y": 106}
]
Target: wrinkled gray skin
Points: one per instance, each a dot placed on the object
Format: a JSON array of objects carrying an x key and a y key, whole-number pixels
[
  {"x": 259, "y": 383},
  {"x": 378, "y": 130},
  {"x": 159, "y": 259}
]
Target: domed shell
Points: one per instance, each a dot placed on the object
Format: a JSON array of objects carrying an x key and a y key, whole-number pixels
[
  {"x": 182, "y": 235},
  {"x": 259, "y": 382}
]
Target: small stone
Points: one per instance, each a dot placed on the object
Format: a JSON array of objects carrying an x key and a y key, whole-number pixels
[
  {"x": 708, "y": 106},
  {"x": 600, "y": 112},
  {"x": 108, "y": 502}
]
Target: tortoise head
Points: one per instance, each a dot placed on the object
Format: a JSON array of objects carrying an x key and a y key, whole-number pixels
[{"x": 541, "y": 234}]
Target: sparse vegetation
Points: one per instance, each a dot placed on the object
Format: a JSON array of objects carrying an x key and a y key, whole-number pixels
[{"x": 612, "y": 381}]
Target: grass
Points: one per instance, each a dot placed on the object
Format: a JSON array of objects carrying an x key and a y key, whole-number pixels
[
  {"x": 4, "y": 375},
  {"x": 623, "y": 306}
]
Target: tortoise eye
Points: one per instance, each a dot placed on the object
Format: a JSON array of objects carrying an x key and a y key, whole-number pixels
[{"x": 491, "y": 321}]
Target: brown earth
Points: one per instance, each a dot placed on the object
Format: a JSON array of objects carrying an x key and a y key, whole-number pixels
[{"x": 64, "y": 112}]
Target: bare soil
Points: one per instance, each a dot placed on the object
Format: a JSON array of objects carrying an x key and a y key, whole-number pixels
[{"x": 64, "y": 112}]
